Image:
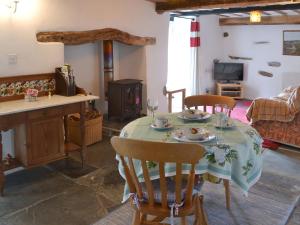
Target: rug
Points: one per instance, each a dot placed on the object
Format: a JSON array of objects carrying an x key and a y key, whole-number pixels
[
  {"x": 71, "y": 168},
  {"x": 271, "y": 201},
  {"x": 240, "y": 110}
]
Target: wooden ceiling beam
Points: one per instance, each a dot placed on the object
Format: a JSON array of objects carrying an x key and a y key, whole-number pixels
[
  {"x": 266, "y": 20},
  {"x": 90, "y": 36},
  {"x": 296, "y": 11},
  {"x": 176, "y": 5},
  {"x": 281, "y": 12},
  {"x": 294, "y": 6},
  {"x": 265, "y": 13}
]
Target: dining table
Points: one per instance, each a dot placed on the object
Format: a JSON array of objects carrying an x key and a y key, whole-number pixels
[{"x": 234, "y": 153}]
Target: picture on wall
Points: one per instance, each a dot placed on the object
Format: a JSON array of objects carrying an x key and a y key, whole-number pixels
[{"x": 291, "y": 42}]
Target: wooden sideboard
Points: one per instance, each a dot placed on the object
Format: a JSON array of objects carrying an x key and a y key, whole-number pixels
[{"x": 40, "y": 129}]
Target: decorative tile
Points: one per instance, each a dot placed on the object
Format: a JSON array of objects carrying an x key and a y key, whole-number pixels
[{"x": 19, "y": 88}]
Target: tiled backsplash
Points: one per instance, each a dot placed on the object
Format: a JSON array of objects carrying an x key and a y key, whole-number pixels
[{"x": 19, "y": 87}]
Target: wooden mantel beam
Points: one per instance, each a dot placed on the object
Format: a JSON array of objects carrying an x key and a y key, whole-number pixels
[
  {"x": 82, "y": 37},
  {"x": 266, "y": 20},
  {"x": 182, "y": 5}
]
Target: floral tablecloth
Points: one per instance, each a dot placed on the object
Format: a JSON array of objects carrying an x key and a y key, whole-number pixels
[{"x": 236, "y": 156}]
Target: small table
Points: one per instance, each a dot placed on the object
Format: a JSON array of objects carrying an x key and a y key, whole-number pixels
[
  {"x": 41, "y": 139},
  {"x": 243, "y": 146}
]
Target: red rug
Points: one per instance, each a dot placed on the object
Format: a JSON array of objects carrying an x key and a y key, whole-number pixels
[{"x": 240, "y": 110}]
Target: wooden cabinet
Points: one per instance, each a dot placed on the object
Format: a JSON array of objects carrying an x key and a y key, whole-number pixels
[
  {"x": 232, "y": 90},
  {"x": 124, "y": 99},
  {"x": 40, "y": 140}
]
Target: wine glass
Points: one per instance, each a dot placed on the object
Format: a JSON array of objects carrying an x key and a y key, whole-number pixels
[
  {"x": 222, "y": 112},
  {"x": 152, "y": 106}
]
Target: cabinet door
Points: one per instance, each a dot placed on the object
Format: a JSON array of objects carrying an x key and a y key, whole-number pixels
[{"x": 45, "y": 140}]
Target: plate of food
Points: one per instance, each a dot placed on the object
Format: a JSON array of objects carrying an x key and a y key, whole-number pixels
[
  {"x": 196, "y": 135},
  {"x": 194, "y": 115}
]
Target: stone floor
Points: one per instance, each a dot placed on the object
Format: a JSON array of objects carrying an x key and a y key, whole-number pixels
[
  {"x": 47, "y": 196},
  {"x": 43, "y": 196}
]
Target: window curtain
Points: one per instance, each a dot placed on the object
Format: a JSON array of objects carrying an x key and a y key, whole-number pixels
[
  {"x": 195, "y": 44},
  {"x": 184, "y": 41}
]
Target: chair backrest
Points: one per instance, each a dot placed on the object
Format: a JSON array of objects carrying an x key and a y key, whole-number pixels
[
  {"x": 209, "y": 100},
  {"x": 160, "y": 153}
]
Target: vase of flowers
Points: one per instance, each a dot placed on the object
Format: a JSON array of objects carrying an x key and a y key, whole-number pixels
[{"x": 31, "y": 95}]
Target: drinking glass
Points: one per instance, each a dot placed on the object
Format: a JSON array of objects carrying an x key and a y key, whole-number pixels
[
  {"x": 152, "y": 106},
  {"x": 222, "y": 112}
]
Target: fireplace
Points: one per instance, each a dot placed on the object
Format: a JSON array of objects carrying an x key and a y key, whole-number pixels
[{"x": 124, "y": 99}]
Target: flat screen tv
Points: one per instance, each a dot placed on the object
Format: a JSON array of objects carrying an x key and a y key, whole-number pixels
[{"x": 229, "y": 71}]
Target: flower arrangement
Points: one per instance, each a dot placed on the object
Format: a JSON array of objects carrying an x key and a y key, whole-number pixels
[{"x": 31, "y": 94}]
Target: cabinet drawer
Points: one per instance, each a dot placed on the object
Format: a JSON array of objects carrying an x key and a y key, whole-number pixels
[
  {"x": 44, "y": 113},
  {"x": 9, "y": 121}
]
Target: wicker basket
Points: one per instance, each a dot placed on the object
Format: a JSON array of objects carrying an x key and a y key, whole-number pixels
[{"x": 93, "y": 130}]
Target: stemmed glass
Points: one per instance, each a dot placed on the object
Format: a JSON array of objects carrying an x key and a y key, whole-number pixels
[
  {"x": 152, "y": 106},
  {"x": 222, "y": 112}
]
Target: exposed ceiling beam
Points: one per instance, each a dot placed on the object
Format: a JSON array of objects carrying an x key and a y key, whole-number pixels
[
  {"x": 90, "y": 36},
  {"x": 281, "y": 12},
  {"x": 265, "y": 13},
  {"x": 294, "y": 6},
  {"x": 222, "y": 15},
  {"x": 267, "y": 20},
  {"x": 296, "y": 11},
  {"x": 175, "y": 5}
]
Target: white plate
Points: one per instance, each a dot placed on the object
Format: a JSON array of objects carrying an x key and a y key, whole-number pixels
[
  {"x": 183, "y": 138},
  {"x": 181, "y": 116},
  {"x": 169, "y": 126}
]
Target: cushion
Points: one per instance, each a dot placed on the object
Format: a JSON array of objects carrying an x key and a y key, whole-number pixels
[{"x": 171, "y": 196}]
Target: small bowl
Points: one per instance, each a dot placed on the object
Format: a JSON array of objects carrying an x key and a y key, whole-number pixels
[
  {"x": 193, "y": 114},
  {"x": 196, "y": 134}
]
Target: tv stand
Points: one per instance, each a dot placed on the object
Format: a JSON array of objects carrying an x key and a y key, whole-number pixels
[{"x": 234, "y": 90}]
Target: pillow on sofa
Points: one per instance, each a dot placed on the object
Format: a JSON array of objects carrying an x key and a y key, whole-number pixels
[
  {"x": 286, "y": 93},
  {"x": 294, "y": 100}
]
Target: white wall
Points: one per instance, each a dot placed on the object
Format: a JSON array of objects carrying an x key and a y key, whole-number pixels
[
  {"x": 85, "y": 61},
  {"x": 17, "y": 36},
  {"x": 241, "y": 43},
  {"x": 211, "y": 48}
]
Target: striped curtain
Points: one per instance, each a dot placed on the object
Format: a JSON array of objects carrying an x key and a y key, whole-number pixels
[{"x": 195, "y": 44}]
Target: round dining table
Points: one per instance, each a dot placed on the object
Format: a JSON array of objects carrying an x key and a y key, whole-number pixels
[{"x": 235, "y": 154}]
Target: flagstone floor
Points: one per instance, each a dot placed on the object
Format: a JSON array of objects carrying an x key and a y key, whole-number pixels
[{"x": 49, "y": 196}]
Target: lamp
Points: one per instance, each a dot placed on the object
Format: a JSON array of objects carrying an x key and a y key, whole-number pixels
[{"x": 255, "y": 16}]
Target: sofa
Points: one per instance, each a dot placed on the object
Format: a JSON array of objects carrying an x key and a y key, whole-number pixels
[{"x": 278, "y": 118}]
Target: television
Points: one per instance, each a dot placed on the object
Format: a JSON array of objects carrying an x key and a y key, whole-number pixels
[{"x": 229, "y": 72}]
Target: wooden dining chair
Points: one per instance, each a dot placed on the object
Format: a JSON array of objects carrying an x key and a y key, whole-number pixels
[
  {"x": 209, "y": 100},
  {"x": 212, "y": 100},
  {"x": 163, "y": 197}
]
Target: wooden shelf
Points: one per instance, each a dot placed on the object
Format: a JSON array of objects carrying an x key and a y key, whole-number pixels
[{"x": 231, "y": 90}]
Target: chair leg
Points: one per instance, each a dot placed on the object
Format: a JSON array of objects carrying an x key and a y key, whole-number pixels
[
  {"x": 203, "y": 218},
  {"x": 183, "y": 220},
  {"x": 143, "y": 218},
  {"x": 227, "y": 193},
  {"x": 196, "y": 212},
  {"x": 136, "y": 218}
]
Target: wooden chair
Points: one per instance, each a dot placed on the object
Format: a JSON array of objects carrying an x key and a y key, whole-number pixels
[
  {"x": 213, "y": 100},
  {"x": 155, "y": 197},
  {"x": 209, "y": 100}
]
